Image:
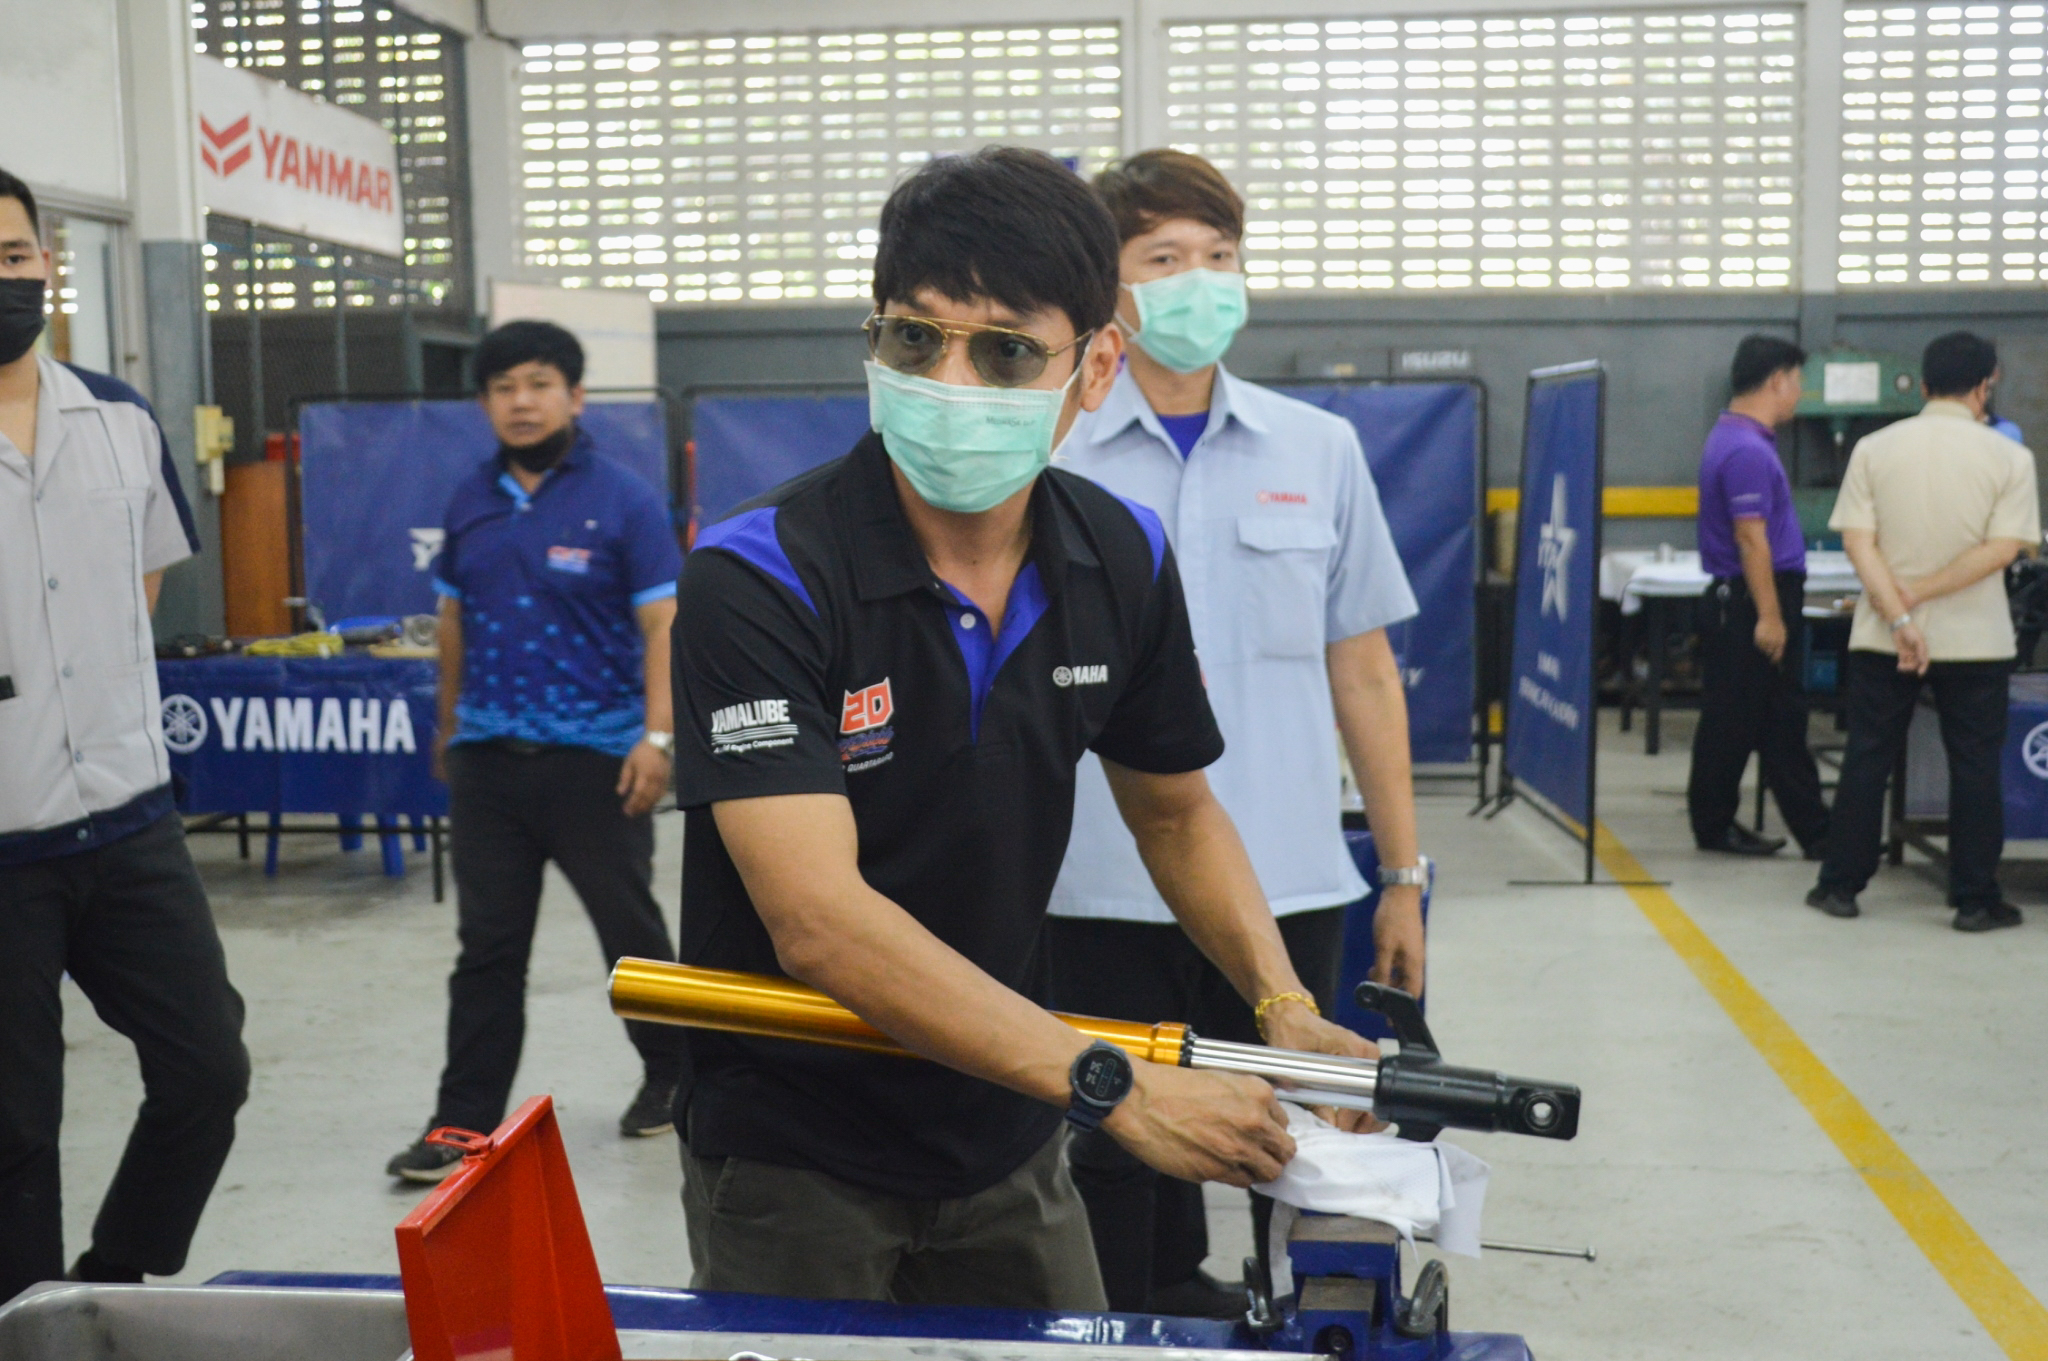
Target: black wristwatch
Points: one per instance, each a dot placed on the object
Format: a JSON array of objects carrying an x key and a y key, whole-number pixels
[{"x": 1102, "y": 1077}]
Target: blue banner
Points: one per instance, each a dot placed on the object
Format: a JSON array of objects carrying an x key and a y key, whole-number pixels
[
  {"x": 377, "y": 476},
  {"x": 748, "y": 445},
  {"x": 1421, "y": 441},
  {"x": 350, "y": 735},
  {"x": 1551, "y": 713}
]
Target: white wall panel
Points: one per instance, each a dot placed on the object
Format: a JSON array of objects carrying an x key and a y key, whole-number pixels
[{"x": 60, "y": 95}]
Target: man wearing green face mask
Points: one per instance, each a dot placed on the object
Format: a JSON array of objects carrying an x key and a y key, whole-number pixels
[
  {"x": 1292, "y": 581},
  {"x": 886, "y": 672}
]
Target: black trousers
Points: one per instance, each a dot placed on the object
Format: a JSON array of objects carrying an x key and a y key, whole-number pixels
[
  {"x": 1152, "y": 1230},
  {"x": 129, "y": 921},
  {"x": 510, "y": 812},
  {"x": 1749, "y": 705},
  {"x": 1970, "y": 698}
]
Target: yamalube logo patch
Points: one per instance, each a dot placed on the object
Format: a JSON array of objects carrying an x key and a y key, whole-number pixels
[
  {"x": 1064, "y": 676},
  {"x": 753, "y": 726}
]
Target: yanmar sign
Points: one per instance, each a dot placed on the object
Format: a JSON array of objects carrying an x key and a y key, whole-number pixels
[{"x": 286, "y": 160}]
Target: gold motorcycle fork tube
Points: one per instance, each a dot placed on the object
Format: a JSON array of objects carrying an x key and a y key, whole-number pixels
[{"x": 780, "y": 1009}]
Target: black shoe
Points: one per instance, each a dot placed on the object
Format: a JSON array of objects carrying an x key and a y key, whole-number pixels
[
  {"x": 424, "y": 1162},
  {"x": 91, "y": 1267},
  {"x": 652, "y": 1110},
  {"x": 1834, "y": 902},
  {"x": 1987, "y": 918},
  {"x": 1199, "y": 1296},
  {"x": 1739, "y": 840}
]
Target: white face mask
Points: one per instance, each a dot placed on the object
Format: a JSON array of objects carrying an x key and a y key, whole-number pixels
[
  {"x": 1187, "y": 320},
  {"x": 964, "y": 449}
]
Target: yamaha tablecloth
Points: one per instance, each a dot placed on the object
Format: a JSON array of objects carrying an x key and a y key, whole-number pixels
[{"x": 351, "y": 735}]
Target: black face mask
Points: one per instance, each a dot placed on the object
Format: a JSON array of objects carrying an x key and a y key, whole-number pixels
[
  {"x": 21, "y": 316},
  {"x": 538, "y": 458}
]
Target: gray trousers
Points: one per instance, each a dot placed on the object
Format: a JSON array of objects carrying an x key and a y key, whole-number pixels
[{"x": 1023, "y": 1243}]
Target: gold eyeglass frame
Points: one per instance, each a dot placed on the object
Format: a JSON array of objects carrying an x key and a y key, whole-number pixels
[{"x": 950, "y": 329}]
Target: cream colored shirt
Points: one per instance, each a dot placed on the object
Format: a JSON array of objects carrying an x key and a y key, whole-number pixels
[{"x": 1932, "y": 487}]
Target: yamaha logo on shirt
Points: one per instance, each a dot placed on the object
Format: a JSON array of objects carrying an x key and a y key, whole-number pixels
[
  {"x": 756, "y": 725},
  {"x": 1064, "y": 676},
  {"x": 864, "y": 728}
]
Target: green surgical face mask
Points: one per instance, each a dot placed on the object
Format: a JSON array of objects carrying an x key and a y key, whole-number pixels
[
  {"x": 1187, "y": 320},
  {"x": 964, "y": 448}
]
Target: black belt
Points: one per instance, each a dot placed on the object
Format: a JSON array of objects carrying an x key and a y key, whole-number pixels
[{"x": 519, "y": 746}]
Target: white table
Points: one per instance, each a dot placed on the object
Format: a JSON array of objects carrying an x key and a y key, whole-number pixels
[
  {"x": 1634, "y": 575},
  {"x": 1637, "y": 579}
]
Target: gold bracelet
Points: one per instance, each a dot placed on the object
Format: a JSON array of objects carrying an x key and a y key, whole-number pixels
[{"x": 1259, "y": 1011}]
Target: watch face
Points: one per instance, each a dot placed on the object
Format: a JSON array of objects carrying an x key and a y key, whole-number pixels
[{"x": 1103, "y": 1075}]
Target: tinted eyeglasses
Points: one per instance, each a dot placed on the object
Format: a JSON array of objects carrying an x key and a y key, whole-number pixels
[{"x": 1004, "y": 358}]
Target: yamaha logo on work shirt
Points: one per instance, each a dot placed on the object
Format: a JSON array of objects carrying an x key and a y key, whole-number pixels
[
  {"x": 1064, "y": 676},
  {"x": 754, "y": 726}
]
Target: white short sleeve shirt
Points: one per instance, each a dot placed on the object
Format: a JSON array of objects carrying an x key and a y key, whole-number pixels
[
  {"x": 1283, "y": 549},
  {"x": 1932, "y": 487},
  {"x": 81, "y": 522}
]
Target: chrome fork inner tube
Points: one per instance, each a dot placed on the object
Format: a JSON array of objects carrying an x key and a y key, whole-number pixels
[{"x": 1301, "y": 1078}]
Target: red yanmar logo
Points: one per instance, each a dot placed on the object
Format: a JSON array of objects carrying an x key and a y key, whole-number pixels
[
  {"x": 865, "y": 709},
  {"x": 227, "y": 161},
  {"x": 287, "y": 160}
]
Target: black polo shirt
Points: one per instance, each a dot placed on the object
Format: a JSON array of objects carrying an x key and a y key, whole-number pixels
[{"x": 816, "y": 652}]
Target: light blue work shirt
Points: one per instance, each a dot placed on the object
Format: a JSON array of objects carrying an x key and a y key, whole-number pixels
[{"x": 1283, "y": 550}]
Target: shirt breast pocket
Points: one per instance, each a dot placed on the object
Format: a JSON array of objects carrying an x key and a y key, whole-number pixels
[
  {"x": 1283, "y": 564},
  {"x": 109, "y": 549}
]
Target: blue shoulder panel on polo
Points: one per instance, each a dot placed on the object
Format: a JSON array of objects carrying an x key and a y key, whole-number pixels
[
  {"x": 1155, "y": 532},
  {"x": 750, "y": 536}
]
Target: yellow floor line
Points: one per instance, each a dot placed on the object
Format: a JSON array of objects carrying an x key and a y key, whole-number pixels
[{"x": 2016, "y": 1320}]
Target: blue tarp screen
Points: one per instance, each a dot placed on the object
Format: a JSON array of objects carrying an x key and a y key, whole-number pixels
[{"x": 377, "y": 477}]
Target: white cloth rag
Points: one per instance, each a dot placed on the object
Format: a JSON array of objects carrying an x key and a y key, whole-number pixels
[{"x": 1409, "y": 1186}]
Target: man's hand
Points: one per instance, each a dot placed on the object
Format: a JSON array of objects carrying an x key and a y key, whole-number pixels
[
  {"x": 1397, "y": 939},
  {"x": 1912, "y": 645},
  {"x": 1225, "y": 1127},
  {"x": 1770, "y": 639},
  {"x": 1290, "y": 1025},
  {"x": 642, "y": 778},
  {"x": 441, "y": 757}
]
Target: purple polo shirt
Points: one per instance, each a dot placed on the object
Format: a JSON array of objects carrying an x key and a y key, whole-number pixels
[{"x": 1742, "y": 479}]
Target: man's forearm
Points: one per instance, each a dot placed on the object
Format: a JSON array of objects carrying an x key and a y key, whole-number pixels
[
  {"x": 1372, "y": 719},
  {"x": 448, "y": 680},
  {"x": 1968, "y": 568},
  {"x": 797, "y": 855},
  {"x": 1198, "y": 864},
  {"x": 655, "y": 622},
  {"x": 1753, "y": 543}
]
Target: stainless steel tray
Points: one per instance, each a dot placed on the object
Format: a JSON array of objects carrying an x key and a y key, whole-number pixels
[{"x": 201, "y": 1323}]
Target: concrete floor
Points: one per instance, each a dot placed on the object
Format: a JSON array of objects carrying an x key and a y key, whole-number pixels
[{"x": 1728, "y": 1225}]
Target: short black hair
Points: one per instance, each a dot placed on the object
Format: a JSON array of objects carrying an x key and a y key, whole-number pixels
[
  {"x": 1005, "y": 223},
  {"x": 11, "y": 186},
  {"x": 1956, "y": 363},
  {"x": 522, "y": 342},
  {"x": 1758, "y": 359}
]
